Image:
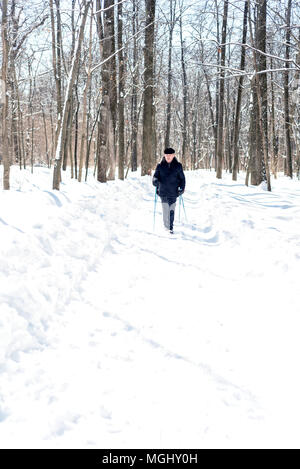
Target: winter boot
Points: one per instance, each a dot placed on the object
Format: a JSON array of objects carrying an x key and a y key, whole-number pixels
[{"x": 171, "y": 221}]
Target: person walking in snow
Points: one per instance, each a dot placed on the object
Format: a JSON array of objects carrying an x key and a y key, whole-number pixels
[{"x": 169, "y": 181}]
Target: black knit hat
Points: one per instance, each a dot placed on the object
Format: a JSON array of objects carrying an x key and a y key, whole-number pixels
[{"x": 169, "y": 151}]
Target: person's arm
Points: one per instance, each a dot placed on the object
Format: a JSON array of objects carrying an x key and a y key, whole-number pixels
[
  {"x": 181, "y": 181},
  {"x": 156, "y": 178}
]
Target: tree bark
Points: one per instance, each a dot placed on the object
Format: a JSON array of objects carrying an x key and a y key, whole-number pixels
[
  {"x": 46, "y": 135},
  {"x": 84, "y": 106},
  {"x": 185, "y": 98},
  {"x": 195, "y": 123},
  {"x": 105, "y": 117},
  {"x": 217, "y": 99},
  {"x": 296, "y": 113},
  {"x": 56, "y": 61},
  {"x": 287, "y": 123},
  {"x": 169, "y": 92},
  {"x": 4, "y": 103},
  {"x": 260, "y": 96},
  {"x": 134, "y": 105},
  {"x": 220, "y": 143},
  {"x": 14, "y": 83},
  {"x": 113, "y": 90},
  {"x": 148, "y": 137},
  {"x": 211, "y": 111},
  {"x": 121, "y": 95},
  {"x": 239, "y": 99},
  {"x": 273, "y": 127},
  {"x": 109, "y": 27},
  {"x": 76, "y": 138}
]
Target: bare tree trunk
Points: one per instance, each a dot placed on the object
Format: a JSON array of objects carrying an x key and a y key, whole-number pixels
[
  {"x": 101, "y": 148},
  {"x": 19, "y": 119},
  {"x": 104, "y": 124},
  {"x": 169, "y": 95},
  {"x": 289, "y": 163},
  {"x": 84, "y": 105},
  {"x": 68, "y": 136},
  {"x": 4, "y": 68},
  {"x": 46, "y": 135},
  {"x": 260, "y": 94},
  {"x": 71, "y": 155},
  {"x": 227, "y": 139},
  {"x": 110, "y": 48},
  {"x": 211, "y": 111},
  {"x": 67, "y": 103},
  {"x": 90, "y": 144},
  {"x": 296, "y": 109},
  {"x": 239, "y": 99},
  {"x": 262, "y": 88},
  {"x": 15, "y": 113},
  {"x": 89, "y": 133},
  {"x": 76, "y": 140},
  {"x": 217, "y": 85},
  {"x": 220, "y": 145},
  {"x": 27, "y": 146},
  {"x": 14, "y": 83},
  {"x": 255, "y": 137},
  {"x": 134, "y": 112},
  {"x": 121, "y": 95},
  {"x": 32, "y": 145},
  {"x": 148, "y": 138},
  {"x": 185, "y": 98},
  {"x": 22, "y": 137},
  {"x": 68, "y": 147},
  {"x": 113, "y": 92},
  {"x": 274, "y": 136},
  {"x": 195, "y": 124},
  {"x": 156, "y": 69},
  {"x": 56, "y": 63}
]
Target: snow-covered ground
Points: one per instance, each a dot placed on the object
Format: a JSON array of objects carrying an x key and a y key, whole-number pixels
[{"x": 113, "y": 335}]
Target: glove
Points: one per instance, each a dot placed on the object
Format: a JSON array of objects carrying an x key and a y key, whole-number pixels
[
  {"x": 180, "y": 191},
  {"x": 155, "y": 182}
]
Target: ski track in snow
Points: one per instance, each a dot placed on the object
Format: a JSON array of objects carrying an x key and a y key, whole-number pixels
[{"x": 115, "y": 335}]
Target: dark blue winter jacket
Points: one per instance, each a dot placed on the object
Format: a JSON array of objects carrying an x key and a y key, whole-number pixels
[{"x": 169, "y": 179}]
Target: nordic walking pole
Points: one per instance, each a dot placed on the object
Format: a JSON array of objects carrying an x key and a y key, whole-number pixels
[
  {"x": 183, "y": 208},
  {"x": 154, "y": 209}
]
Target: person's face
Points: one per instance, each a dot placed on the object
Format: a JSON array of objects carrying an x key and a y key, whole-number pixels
[{"x": 169, "y": 157}]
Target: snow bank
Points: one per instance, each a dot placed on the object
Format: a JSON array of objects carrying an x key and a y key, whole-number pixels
[
  {"x": 44, "y": 256},
  {"x": 113, "y": 334}
]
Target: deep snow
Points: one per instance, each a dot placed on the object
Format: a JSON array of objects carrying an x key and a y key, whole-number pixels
[{"x": 113, "y": 335}]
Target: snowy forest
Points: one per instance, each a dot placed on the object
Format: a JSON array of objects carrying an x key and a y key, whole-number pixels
[
  {"x": 128, "y": 320},
  {"x": 105, "y": 86}
]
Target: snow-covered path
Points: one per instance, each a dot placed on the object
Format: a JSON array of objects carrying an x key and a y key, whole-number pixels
[{"x": 112, "y": 335}]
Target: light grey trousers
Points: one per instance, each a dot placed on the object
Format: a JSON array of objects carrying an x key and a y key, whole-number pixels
[{"x": 168, "y": 214}]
